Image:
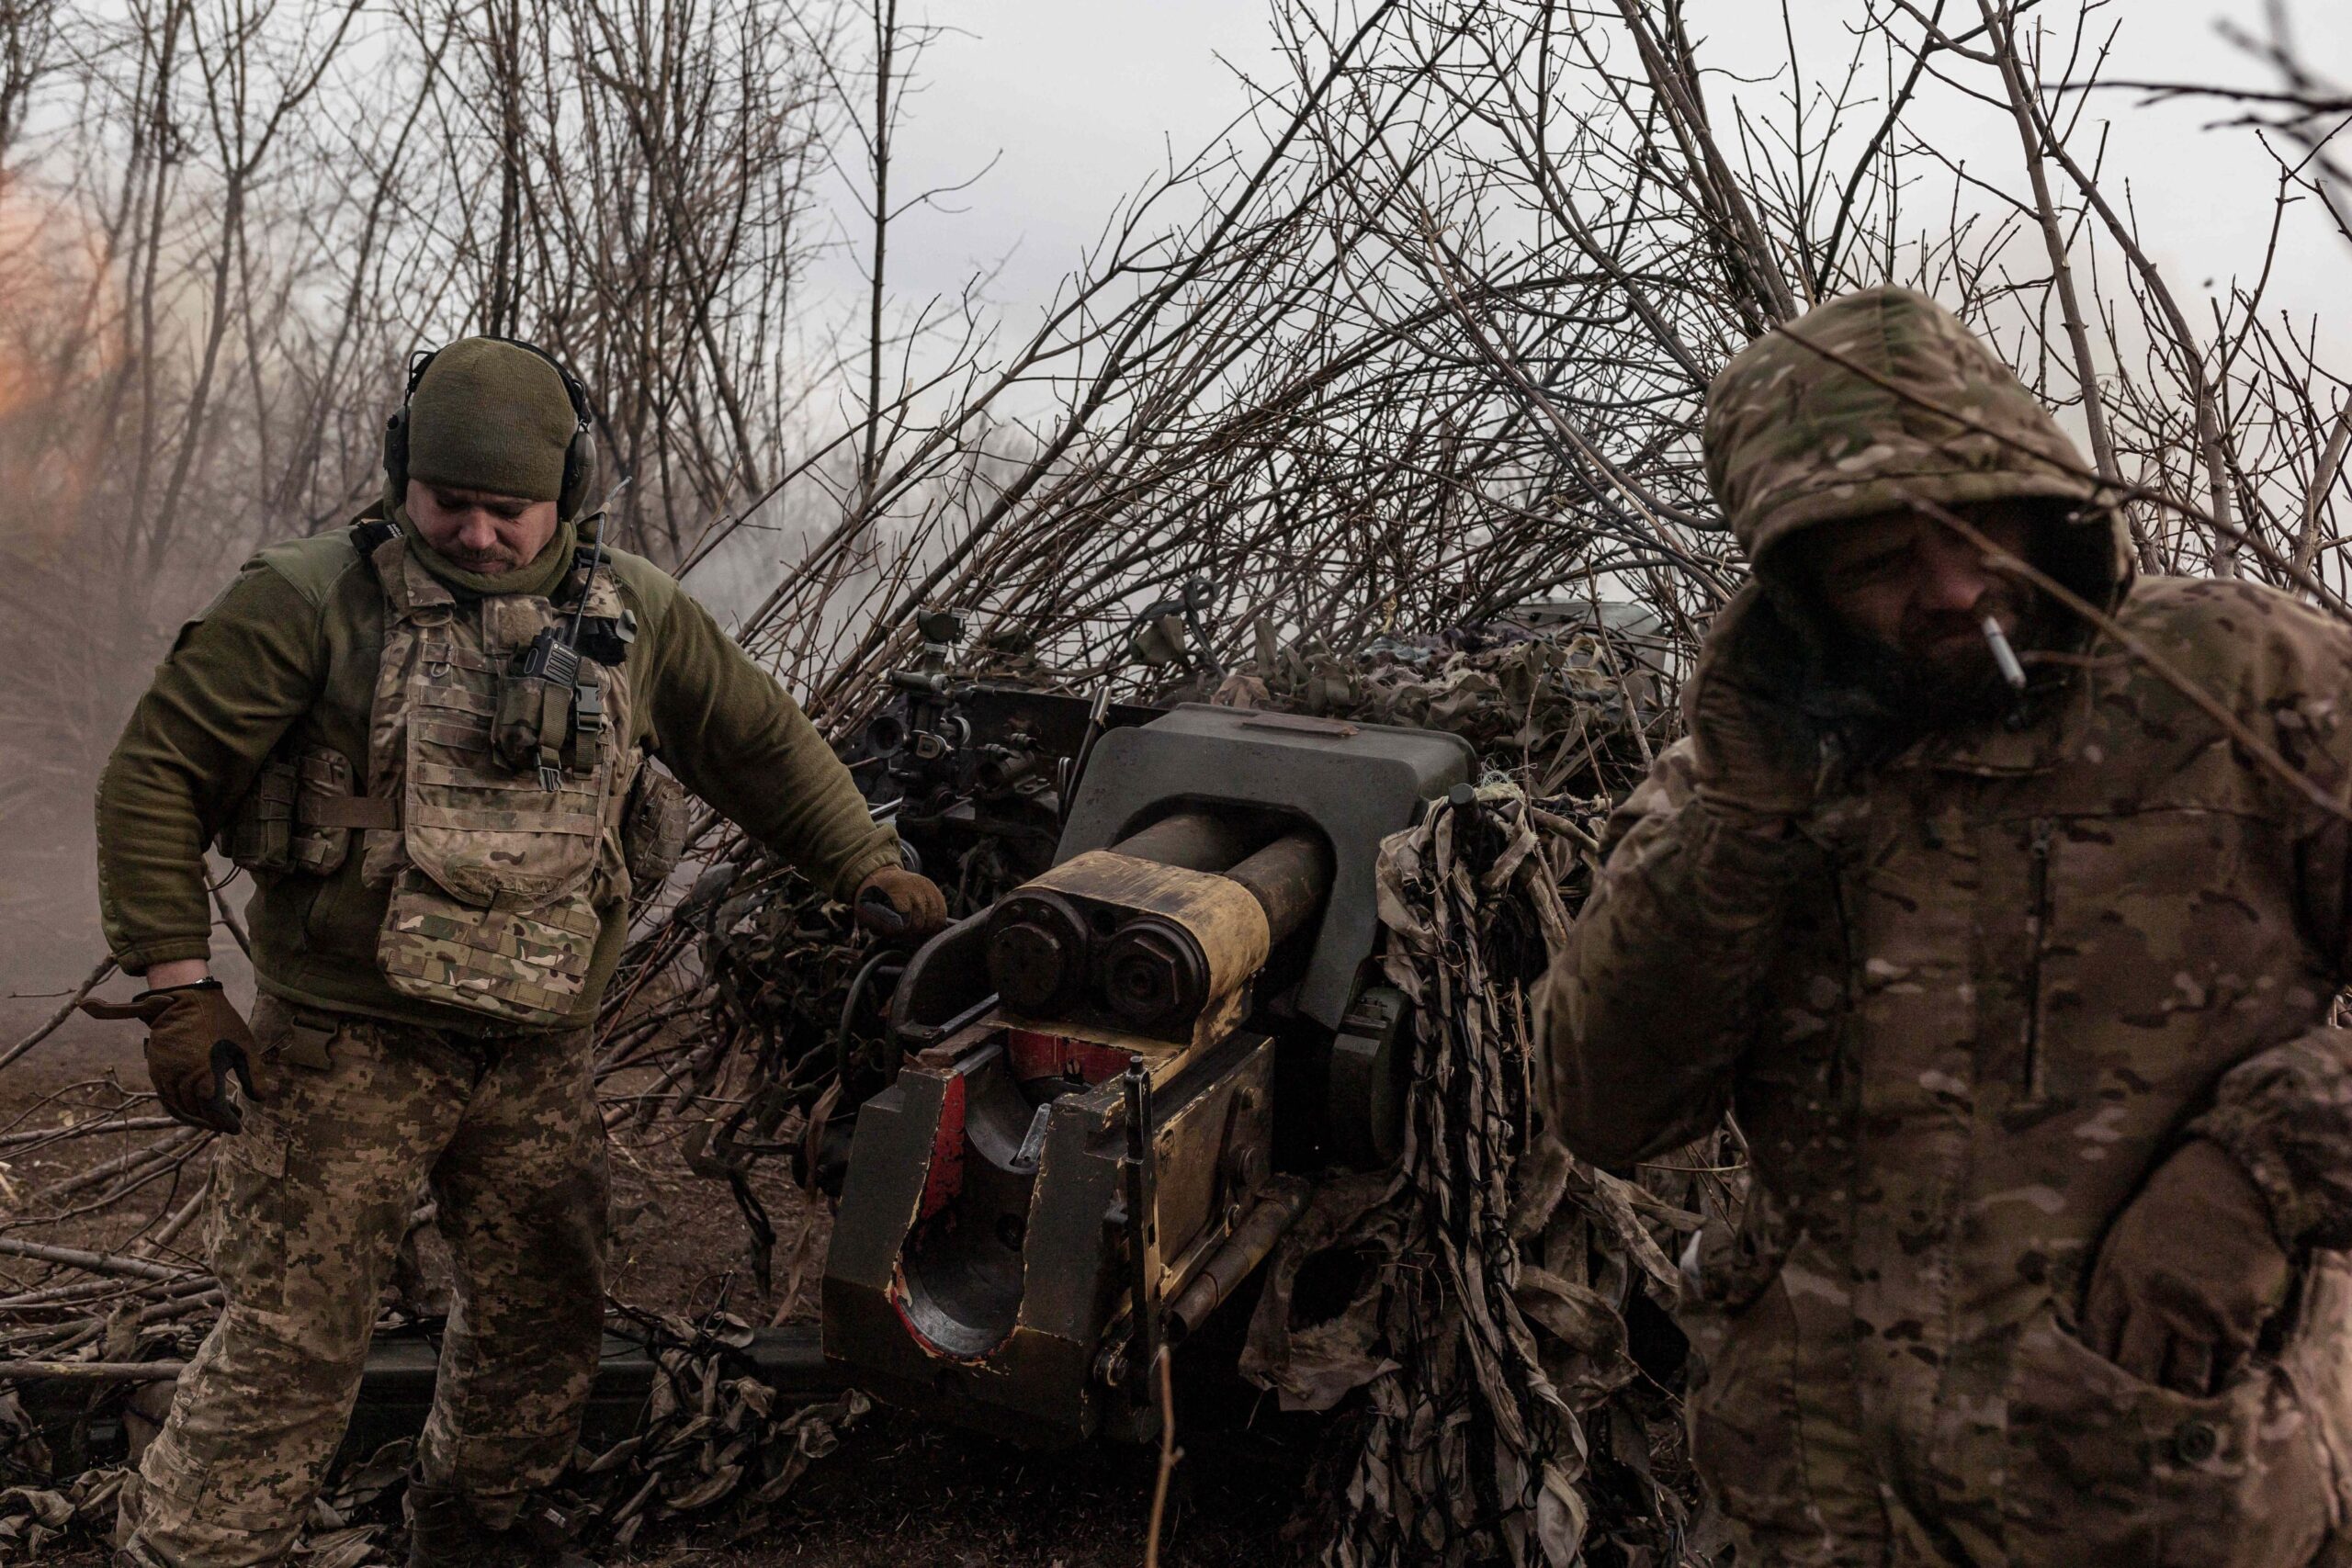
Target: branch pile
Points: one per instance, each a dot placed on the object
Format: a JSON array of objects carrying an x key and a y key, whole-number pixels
[{"x": 1568, "y": 707}]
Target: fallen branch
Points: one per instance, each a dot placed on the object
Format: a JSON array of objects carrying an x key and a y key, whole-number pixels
[
  {"x": 96, "y": 1262},
  {"x": 91, "y": 1371}
]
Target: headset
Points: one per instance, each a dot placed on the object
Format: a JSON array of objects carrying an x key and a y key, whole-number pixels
[{"x": 578, "y": 457}]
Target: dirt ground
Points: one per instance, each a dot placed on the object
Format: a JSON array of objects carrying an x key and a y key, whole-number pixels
[{"x": 896, "y": 1492}]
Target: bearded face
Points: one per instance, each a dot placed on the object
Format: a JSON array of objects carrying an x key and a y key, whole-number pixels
[{"x": 1907, "y": 599}]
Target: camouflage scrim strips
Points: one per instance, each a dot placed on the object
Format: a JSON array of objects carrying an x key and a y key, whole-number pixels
[
  {"x": 1794, "y": 437},
  {"x": 307, "y": 1208},
  {"x": 1962, "y": 1017}
]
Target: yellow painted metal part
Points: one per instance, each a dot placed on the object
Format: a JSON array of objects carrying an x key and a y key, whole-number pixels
[{"x": 1217, "y": 912}]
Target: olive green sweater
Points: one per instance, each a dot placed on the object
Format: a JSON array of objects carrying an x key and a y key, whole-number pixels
[{"x": 292, "y": 645}]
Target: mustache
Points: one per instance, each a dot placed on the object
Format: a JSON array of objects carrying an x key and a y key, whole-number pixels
[{"x": 1927, "y": 628}]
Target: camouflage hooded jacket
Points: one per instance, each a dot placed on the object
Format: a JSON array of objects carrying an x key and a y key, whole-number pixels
[{"x": 2000, "y": 976}]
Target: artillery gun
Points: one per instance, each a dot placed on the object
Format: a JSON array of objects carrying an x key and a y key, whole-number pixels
[{"x": 1109, "y": 1083}]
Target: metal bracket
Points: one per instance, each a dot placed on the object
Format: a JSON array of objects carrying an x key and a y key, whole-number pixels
[{"x": 1143, "y": 1238}]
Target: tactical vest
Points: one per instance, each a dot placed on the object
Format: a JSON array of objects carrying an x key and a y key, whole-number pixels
[{"x": 497, "y": 881}]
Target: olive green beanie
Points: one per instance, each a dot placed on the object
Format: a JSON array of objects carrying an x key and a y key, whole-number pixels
[{"x": 491, "y": 416}]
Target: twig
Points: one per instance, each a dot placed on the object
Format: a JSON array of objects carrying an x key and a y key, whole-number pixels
[
  {"x": 229, "y": 919},
  {"x": 86, "y": 1129},
  {"x": 1616, "y": 675},
  {"x": 1999, "y": 22},
  {"x": 163, "y": 1151},
  {"x": 2330, "y": 463},
  {"x": 83, "y": 1289},
  {"x": 97, "y": 977}
]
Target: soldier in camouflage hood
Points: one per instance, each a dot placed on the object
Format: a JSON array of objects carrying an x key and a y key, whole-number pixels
[
  {"x": 427, "y": 738},
  {"x": 2022, "y": 997}
]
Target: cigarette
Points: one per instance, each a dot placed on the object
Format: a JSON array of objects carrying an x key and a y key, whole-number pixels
[{"x": 2004, "y": 655}]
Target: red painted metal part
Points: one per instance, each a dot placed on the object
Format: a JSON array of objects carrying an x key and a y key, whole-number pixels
[{"x": 946, "y": 1177}]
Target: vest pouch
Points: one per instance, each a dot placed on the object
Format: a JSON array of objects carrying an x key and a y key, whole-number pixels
[
  {"x": 259, "y": 834},
  {"x": 323, "y": 774},
  {"x": 532, "y": 721},
  {"x": 528, "y": 965},
  {"x": 488, "y": 834},
  {"x": 653, "y": 828}
]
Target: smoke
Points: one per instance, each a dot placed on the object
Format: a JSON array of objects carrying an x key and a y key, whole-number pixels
[
  {"x": 61, "y": 674},
  {"x": 52, "y": 356}
]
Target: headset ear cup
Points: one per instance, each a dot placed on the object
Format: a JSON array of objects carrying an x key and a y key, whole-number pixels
[
  {"x": 396, "y": 429},
  {"x": 396, "y": 452},
  {"x": 579, "y": 474}
]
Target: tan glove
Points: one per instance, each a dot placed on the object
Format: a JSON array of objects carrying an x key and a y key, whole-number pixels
[
  {"x": 195, "y": 1040},
  {"x": 2188, "y": 1275},
  {"x": 896, "y": 902},
  {"x": 1753, "y": 756}
]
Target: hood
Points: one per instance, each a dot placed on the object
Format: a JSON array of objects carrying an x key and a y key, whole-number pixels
[{"x": 1794, "y": 438}]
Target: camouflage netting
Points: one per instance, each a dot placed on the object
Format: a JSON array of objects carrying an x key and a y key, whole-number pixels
[
  {"x": 1490, "y": 1318},
  {"x": 1559, "y": 711},
  {"x": 714, "y": 1441}
]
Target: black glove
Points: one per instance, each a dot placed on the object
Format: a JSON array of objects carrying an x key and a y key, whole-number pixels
[
  {"x": 896, "y": 902},
  {"x": 195, "y": 1040},
  {"x": 2188, "y": 1275}
]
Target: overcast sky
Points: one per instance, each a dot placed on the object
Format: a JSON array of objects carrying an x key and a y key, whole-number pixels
[{"x": 1080, "y": 100}]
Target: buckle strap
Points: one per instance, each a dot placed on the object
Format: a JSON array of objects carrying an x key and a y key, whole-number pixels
[
  {"x": 347, "y": 811},
  {"x": 371, "y": 532}
]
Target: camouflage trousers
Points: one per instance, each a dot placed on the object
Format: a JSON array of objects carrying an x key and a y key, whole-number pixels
[{"x": 307, "y": 1208}]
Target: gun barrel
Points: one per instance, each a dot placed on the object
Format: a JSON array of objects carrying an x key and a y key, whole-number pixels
[
  {"x": 1290, "y": 878},
  {"x": 1197, "y": 841}
]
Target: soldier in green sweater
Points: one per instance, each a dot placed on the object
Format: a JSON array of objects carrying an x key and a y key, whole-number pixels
[{"x": 426, "y": 737}]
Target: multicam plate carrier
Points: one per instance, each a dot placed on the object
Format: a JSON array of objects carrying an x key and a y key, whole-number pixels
[{"x": 496, "y": 881}]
